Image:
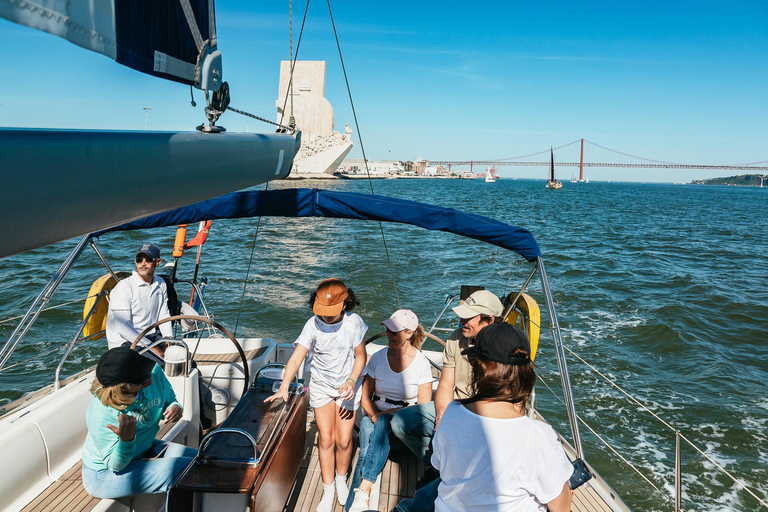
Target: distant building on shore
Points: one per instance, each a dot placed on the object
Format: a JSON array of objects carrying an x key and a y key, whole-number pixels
[{"x": 394, "y": 168}]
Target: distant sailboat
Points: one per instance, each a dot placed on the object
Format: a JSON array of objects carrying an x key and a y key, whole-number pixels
[
  {"x": 574, "y": 178},
  {"x": 490, "y": 175},
  {"x": 552, "y": 182}
]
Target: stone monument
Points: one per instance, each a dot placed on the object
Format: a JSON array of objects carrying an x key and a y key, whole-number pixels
[{"x": 322, "y": 148}]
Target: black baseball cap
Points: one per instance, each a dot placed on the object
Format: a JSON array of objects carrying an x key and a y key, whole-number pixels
[
  {"x": 123, "y": 366},
  {"x": 150, "y": 250},
  {"x": 498, "y": 342}
]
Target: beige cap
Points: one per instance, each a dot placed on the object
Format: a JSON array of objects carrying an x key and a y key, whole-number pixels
[{"x": 482, "y": 302}]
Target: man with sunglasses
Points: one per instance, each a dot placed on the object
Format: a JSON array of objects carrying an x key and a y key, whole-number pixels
[
  {"x": 415, "y": 426},
  {"x": 137, "y": 302}
]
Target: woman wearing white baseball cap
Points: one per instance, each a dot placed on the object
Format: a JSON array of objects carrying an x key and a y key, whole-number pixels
[{"x": 396, "y": 377}]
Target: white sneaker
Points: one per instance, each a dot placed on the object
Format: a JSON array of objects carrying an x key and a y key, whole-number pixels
[
  {"x": 342, "y": 491},
  {"x": 326, "y": 502},
  {"x": 360, "y": 504}
]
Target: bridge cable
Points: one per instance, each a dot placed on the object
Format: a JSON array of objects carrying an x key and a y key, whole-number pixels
[
  {"x": 362, "y": 149},
  {"x": 631, "y": 156}
]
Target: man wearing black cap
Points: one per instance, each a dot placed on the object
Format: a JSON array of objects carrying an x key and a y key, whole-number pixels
[{"x": 137, "y": 302}]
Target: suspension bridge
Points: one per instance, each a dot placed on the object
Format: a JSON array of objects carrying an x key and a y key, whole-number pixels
[{"x": 572, "y": 155}]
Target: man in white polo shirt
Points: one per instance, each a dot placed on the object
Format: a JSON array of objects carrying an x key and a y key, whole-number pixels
[{"x": 137, "y": 302}]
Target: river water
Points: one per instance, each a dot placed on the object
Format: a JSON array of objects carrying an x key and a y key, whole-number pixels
[{"x": 661, "y": 288}]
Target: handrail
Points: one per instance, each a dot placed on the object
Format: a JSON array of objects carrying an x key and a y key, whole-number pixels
[
  {"x": 71, "y": 345},
  {"x": 249, "y": 437},
  {"x": 511, "y": 305},
  {"x": 448, "y": 301}
]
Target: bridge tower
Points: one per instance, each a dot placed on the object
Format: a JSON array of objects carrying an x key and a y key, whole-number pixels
[{"x": 581, "y": 164}]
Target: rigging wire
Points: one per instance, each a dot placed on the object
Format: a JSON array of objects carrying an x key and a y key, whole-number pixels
[
  {"x": 248, "y": 271},
  {"x": 293, "y": 65},
  {"x": 290, "y": 52},
  {"x": 362, "y": 149},
  {"x": 246, "y": 114}
]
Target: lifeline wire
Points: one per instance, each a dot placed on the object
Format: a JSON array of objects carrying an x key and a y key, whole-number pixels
[
  {"x": 543, "y": 380},
  {"x": 644, "y": 407},
  {"x": 48, "y": 309},
  {"x": 362, "y": 149}
]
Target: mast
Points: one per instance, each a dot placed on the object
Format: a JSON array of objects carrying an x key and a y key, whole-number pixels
[{"x": 552, "y": 165}]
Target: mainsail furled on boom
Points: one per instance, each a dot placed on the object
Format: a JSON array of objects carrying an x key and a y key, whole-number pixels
[{"x": 171, "y": 39}]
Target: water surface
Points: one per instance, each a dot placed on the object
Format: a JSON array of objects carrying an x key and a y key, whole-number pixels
[{"x": 661, "y": 288}]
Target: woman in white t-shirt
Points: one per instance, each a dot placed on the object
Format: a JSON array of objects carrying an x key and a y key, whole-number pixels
[
  {"x": 395, "y": 377},
  {"x": 333, "y": 341},
  {"x": 491, "y": 456}
]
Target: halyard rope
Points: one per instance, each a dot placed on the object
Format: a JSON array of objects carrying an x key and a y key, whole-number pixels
[{"x": 362, "y": 149}]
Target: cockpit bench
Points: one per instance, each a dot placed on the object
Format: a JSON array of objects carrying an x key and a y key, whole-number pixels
[{"x": 68, "y": 494}]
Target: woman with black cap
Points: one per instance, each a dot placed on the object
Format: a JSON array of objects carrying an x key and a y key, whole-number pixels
[
  {"x": 490, "y": 455},
  {"x": 121, "y": 456}
]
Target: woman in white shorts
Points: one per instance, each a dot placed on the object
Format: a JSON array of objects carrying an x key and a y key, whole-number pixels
[{"x": 333, "y": 342}]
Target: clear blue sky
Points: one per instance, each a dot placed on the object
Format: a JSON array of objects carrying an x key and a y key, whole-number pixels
[{"x": 681, "y": 81}]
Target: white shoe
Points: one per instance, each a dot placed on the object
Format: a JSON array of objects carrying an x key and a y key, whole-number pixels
[
  {"x": 342, "y": 491},
  {"x": 360, "y": 504},
  {"x": 326, "y": 502}
]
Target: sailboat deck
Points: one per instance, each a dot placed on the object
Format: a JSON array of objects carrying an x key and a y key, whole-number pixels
[{"x": 397, "y": 482}]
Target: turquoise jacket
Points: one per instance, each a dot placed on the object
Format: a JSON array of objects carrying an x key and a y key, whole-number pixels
[{"x": 103, "y": 449}]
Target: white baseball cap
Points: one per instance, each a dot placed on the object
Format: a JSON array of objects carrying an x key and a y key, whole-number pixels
[{"x": 402, "y": 319}]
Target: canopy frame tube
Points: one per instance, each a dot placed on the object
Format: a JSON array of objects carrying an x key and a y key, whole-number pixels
[{"x": 560, "y": 356}]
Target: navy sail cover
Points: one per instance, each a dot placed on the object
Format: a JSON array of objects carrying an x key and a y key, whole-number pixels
[
  {"x": 164, "y": 38},
  {"x": 304, "y": 202}
]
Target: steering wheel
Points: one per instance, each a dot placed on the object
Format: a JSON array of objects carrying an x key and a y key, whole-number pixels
[{"x": 210, "y": 322}]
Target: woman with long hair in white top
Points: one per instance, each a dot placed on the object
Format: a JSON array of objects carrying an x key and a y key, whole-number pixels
[{"x": 490, "y": 455}]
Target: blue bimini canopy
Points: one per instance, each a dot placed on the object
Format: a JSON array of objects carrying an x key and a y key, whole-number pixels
[{"x": 304, "y": 202}]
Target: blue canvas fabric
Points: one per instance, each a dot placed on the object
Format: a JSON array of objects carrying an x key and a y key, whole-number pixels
[
  {"x": 304, "y": 202},
  {"x": 143, "y": 27}
]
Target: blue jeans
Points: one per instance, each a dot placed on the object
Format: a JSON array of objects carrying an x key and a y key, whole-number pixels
[
  {"x": 374, "y": 450},
  {"x": 140, "y": 476},
  {"x": 422, "y": 501},
  {"x": 415, "y": 426}
]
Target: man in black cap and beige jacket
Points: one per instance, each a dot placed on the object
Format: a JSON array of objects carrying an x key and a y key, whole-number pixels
[{"x": 137, "y": 302}]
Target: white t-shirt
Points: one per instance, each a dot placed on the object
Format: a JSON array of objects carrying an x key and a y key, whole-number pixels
[
  {"x": 332, "y": 347},
  {"x": 397, "y": 386},
  {"x": 134, "y": 305},
  {"x": 491, "y": 464}
]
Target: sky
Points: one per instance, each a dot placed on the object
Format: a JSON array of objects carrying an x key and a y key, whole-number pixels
[{"x": 681, "y": 81}]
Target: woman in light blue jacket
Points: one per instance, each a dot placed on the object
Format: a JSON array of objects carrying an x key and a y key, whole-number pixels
[{"x": 121, "y": 456}]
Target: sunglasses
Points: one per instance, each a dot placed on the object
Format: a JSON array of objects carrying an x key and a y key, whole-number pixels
[{"x": 139, "y": 259}]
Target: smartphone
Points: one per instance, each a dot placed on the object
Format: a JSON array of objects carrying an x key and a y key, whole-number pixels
[
  {"x": 155, "y": 452},
  {"x": 581, "y": 474}
]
